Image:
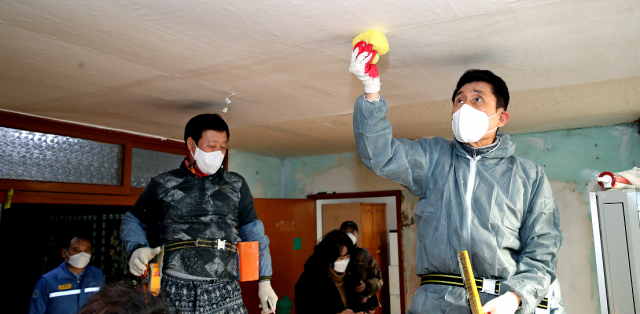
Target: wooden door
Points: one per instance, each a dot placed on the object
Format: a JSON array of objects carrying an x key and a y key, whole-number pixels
[
  {"x": 285, "y": 221},
  {"x": 373, "y": 234},
  {"x": 333, "y": 215}
]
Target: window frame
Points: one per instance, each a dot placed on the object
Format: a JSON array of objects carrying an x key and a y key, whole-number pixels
[{"x": 76, "y": 190}]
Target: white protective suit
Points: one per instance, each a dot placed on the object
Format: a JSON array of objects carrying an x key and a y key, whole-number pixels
[{"x": 498, "y": 207}]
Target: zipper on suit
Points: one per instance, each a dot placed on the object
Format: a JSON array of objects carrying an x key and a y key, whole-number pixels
[{"x": 472, "y": 177}]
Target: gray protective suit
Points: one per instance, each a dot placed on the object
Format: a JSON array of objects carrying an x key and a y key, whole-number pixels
[{"x": 498, "y": 207}]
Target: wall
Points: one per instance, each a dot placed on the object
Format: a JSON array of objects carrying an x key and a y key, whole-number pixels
[
  {"x": 262, "y": 173},
  {"x": 572, "y": 158}
]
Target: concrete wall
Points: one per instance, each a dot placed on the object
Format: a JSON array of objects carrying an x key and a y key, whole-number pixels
[{"x": 572, "y": 158}]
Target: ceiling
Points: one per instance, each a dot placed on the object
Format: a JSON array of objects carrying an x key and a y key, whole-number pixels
[{"x": 148, "y": 66}]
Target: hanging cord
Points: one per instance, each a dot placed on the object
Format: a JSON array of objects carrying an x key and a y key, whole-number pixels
[{"x": 228, "y": 100}]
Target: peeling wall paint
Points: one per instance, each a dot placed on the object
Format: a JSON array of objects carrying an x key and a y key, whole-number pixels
[
  {"x": 580, "y": 155},
  {"x": 572, "y": 158},
  {"x": 262, "y": 173}
]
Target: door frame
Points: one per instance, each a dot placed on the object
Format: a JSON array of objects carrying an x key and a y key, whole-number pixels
[{"x": 398, "y": 197}]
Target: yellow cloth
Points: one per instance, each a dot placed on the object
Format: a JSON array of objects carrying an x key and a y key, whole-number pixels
[{"x": 338, "y": 280}]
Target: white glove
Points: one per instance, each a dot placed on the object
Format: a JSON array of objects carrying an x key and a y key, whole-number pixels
[
  {"x": 357, "y": 67},
  {"x": 140, "y": 258},
  {"x": 265, "y": 292},
  {"x": 504, "y": 304}
]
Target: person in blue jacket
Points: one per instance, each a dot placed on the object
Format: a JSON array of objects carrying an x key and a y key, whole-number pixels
[
  {"x": 474, "y": 195},
  {"x": 66, "y": 288}
]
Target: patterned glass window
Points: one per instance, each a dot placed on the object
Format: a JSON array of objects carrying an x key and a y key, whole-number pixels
[
  {"x": 146, "y": 164},
  {"x": 26, "y": 155}
]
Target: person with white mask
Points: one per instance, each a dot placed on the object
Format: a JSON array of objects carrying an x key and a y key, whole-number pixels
[
  {"x": 323, "y": 286},
  {"x": 199, "y": 212},
  {"x": 66, "y": 288},
  {"x": 368, "y": 278},
  {"x": 474, "y": 195}
]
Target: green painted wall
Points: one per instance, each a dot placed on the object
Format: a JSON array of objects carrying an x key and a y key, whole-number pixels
[
  {"x": 573, "y": 156},
  {"x": 262, "y": 173},
  {"x": 580, "y": 155}
]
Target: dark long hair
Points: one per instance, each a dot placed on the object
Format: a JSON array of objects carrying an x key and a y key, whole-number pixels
[
  {"x": 328, "y": 250},
  {"x": 122, "y": 298}
]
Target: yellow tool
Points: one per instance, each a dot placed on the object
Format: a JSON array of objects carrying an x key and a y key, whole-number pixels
[
  {"x": 153, "y": 274},
  {"x": 470, "y": 283}
]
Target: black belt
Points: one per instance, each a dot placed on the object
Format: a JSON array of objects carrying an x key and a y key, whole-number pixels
[
  {"x": 201, "y": 243},
  {"x": 456, "y": 280}
]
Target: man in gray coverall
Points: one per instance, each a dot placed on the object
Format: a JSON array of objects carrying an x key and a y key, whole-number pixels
[{"x": 474, "y": 196}]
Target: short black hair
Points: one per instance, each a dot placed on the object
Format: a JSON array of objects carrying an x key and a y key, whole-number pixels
[
  {"x": 499, "y": 87},
  {"x": 328, "y": 250},
  {"x": 79, "y": 235},
  {"x": 349, "y": 224},
  {"x": 204, "y": 122},
  {"x": 125, "y": 298}
]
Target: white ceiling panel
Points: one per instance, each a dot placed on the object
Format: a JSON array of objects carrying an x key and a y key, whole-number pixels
[{"x": 148, "y": 66}]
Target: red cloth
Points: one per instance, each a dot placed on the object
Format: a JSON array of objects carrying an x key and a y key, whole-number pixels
[{"x": 369, "y": 68}]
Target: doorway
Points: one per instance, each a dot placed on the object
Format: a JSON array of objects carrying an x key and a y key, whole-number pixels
[
  {"x": 393, "y": 276},
  {"x": 371, "y": 221}
]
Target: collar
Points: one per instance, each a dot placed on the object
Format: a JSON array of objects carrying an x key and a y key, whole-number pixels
[
  {"x": 187, "y": 169},
  {"x": 477, "y": 151},
  {"x": 503, "y": 147},
  {"x": 193, "y": 169},
  {"x": 64, "y": 272},
  {"x": 337, "y": 279}
]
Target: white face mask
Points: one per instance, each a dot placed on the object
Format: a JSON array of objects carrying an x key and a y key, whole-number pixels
[
  {"x": 341, "y": 266},
  {"x": 352, "y": 237},
  {"x": 209, "y": 163},
  {"x": 79, "y": 260},
  {"x": 470, "y": 125}
]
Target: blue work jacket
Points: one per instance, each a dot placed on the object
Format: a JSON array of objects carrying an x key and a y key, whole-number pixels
[{"x": 59, "y": 291}]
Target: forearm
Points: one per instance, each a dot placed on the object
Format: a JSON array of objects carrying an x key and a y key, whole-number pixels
[
  {"x": 133, "y": 233},
  {"x": 373, "y": 285},
  {"x": 536, "y": 268},
  {"x": 372, "y": 96},
  {"x": 400, "y": 160},
  {"x": 254, "y": 231}
]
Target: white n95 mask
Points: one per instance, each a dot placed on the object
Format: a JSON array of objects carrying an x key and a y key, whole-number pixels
[
  {"x": 352, "y": 237},
  {"x": 209, "y": 163},
  {"x": 470, "y": 125},
  {"x": 79, "y": 260},
  {"x": 340, "y": 266}
]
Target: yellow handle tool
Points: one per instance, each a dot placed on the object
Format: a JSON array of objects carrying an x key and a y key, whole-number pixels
[{"x": 470, "y": 283}]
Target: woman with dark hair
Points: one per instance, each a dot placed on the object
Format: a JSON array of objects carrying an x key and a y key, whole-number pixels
[
  {"x": 125, "y": 298},
  {"x": 321, "y": 287}
]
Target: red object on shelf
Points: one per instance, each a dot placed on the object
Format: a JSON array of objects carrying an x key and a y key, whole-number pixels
[{"x": 608, "y": 180}]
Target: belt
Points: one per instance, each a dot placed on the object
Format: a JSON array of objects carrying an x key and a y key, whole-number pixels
[
  {"x": 490, "y": 286},
  {"x": 201, "y": 243}
]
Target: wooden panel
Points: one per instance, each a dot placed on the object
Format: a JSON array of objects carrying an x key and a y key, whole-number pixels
[
  {"x": 284, "y": 220},
  {"x": 373, "y": 233},
  {"x": 20, "y": 197},
  {"x": 333, "y": 215}
]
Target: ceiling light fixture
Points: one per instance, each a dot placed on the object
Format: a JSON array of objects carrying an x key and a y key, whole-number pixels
[{"x": 228, "y": 100}]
